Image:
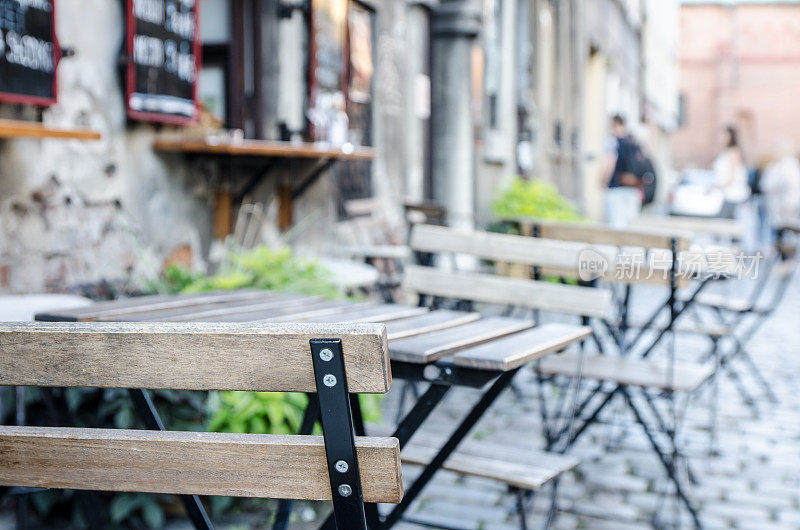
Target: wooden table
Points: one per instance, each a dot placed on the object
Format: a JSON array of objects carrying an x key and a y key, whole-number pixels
[{"x": 441, "y": 347}]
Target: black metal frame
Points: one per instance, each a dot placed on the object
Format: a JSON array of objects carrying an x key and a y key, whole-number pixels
[
  {"x": 338, "y": 433},
  {"x": 670, "y": 455}
]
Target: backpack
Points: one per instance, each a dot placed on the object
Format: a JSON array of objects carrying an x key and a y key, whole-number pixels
[{"x": 631, "y": 159}]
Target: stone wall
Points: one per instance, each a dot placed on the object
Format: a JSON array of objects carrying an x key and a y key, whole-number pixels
[{"x": 83, "y": 211}]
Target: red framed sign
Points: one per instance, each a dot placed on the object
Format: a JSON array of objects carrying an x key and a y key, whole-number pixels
[
  {"x": 163, "y": 48},
  {"x": 29, "y": 52}
]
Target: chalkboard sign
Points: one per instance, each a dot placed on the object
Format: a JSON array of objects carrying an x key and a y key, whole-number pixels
[
  {"x": 163, "y": 46},
  {"x": 29, "y": 52}
]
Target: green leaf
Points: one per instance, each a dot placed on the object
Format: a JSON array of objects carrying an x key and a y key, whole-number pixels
[
  {"x": 123, "y": 506},
  {"x": 152, "y": 513}
]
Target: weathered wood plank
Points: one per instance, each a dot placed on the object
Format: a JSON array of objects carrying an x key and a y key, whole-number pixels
[
  {"x": 650, "y": 237},
  {"x": 197, "y": 356},
  {"x": 696, "y": 225},
  {"x": 378, "y": 313},
  {"x": 433, "y": 321},
  {"x": 630, "y": 372},
  {"x": 428, "y": 347},
  {"x": 239, "y": 465},
  {"x": 530, "y": 471},
  {"x": 151, "y": 303},
  {"x": 330, "y": 310},
  {"x": 504, "y": 247},
  {"x": 521, "y": 348},
  {"x": 196, "y": 313},
  {"x": 570, "y": 299}
]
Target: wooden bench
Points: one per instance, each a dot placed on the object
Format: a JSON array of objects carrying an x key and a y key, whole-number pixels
[
  {"x": 618, "y": 372},
  {"x": 328, "y": 360}
]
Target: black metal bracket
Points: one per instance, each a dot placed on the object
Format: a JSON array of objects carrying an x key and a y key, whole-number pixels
[{"x": 338, "y": 433}]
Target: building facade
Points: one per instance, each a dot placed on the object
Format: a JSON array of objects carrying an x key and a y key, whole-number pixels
[
  {"x": 455, "y": 96},
  {"x": 739, "y": 66}
]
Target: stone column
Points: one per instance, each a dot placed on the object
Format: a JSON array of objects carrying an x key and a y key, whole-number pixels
[{"x": 454, "y": 25}]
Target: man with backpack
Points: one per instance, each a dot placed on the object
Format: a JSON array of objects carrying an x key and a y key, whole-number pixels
[{"x": 629, "y": 176}]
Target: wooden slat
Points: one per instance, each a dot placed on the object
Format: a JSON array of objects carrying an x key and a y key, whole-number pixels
[
  {"x": 283, "y": 314},
  {"x": 698, "y": 225},
  {"x": 198, "y": 356},
  {"x": 571, "y": 299},
  {"x": 239, "y": 465},
  {"x": 530, "y": 471},
  {"x": 726, "y": 303},
  {"x": 27, "y": 129},
  {"x": 503, "y": 247},
  {"x": 400, "y": 252},
  {"x": 125, "y": 306},
  {"x": 215, "y": 311},
  {"x": 521, "y": 348},
  {"x": 630, "y": 372},
  {"x": 378, "y": 313},
  {"x": 428, "y": 347},
  {"x": 433, "y": 321},
  {"x": 653, "y": 237},
  {"x": 329, "y": 310}
]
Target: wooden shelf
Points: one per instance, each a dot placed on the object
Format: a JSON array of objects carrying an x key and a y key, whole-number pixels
[
  {"x": 28, "y": 129},
  {"x": 259, "y": 148}
]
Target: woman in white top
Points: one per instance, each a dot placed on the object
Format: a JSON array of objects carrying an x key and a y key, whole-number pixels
[{"x": 731, "y": 174}]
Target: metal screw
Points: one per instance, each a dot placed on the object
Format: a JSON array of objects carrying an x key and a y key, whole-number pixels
[
  {"x": 345, "y": 490},
  {"x": 341, "y": 466},
  {"x": 326, "y": 354},
  {"x": 329, "y": 380}
]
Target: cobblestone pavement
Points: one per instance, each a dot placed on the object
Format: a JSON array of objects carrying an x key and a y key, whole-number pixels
[{"x": 753, "y": 482}]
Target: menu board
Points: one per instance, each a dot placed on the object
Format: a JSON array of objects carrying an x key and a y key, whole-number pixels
[
  {"x": 29, "y": 52},
  {"x": 163, "y": 46}
]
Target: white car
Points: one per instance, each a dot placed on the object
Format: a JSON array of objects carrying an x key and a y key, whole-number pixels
[{"x": 695, "y": 194}]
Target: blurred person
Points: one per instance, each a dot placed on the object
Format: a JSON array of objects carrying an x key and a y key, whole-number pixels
[
  {"x": 781, "y": 186},
  {"x": 731, "y": 174},
  {"x": 623, "y": 198},
  {"x": 763, "y": 230}
]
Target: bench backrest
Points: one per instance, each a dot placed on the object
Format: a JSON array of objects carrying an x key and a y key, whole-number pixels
[
  {"x": 631, "y": 241},
  {"x": 327, "y": 359},
  {"x": 647, "y": 238},
  {"x": 479, "y": 287}
]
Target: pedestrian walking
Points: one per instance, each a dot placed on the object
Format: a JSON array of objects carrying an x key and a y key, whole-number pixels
[{"x": 623, "y": 196}]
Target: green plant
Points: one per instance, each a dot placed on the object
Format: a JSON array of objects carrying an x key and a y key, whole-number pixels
[
  {"x": 259, "y": 268},
  {"x": 533, "y": 198}
]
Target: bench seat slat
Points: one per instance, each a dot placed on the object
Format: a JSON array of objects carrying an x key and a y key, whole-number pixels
[
  {"x": 239, "y": 465},
  {"x": 529, "y": 471},
  {"x": 479, "y": 287},
  {"x": 195, "y": 313},
  {"x": 428, "y": 347},
  {"x": 630, "y": 372},
  {"x": 196, "y": 356},
  {"x": 377, "y": 313},
  {"x": 521, "y": 348},
  {"x": 433, "y": 321}
]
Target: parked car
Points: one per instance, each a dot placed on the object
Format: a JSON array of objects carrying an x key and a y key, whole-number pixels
[{"x": 695, "y": 194}]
